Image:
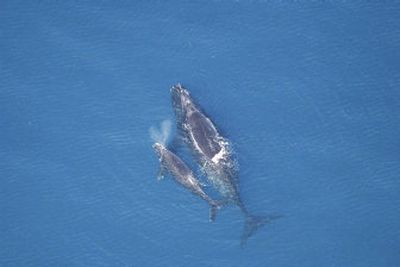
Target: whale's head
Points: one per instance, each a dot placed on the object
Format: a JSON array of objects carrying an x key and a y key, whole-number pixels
[
  {"x": 159, "y": 149},
  {"x": 181, "y": 100}
]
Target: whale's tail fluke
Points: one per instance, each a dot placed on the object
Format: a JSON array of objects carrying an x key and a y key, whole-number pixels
[
  {"x": 215, "y": 206},
  {"x": 253, "y": 223}
]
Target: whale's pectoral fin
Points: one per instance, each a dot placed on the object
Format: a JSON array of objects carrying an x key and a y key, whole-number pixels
[
  {"x": 215, "y": 206},
  {"x": 161, "y": 173}
]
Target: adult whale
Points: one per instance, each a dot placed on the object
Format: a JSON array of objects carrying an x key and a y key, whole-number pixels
[
  {"x": 213, "y": 153},
  {"x": 171, "y": 163}
]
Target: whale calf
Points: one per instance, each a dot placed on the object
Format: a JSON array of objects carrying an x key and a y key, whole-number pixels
[
  {"x": 171, "y": 163},
  {"x": 213, "y": 153}
]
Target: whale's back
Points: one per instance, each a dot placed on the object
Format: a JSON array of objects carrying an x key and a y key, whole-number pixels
[{"x": 204, "y": 135}]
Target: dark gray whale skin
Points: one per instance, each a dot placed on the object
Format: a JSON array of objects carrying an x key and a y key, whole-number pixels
[
  {"x": 171, "y": 163},
  {"x": 213, "y": 154},
  {"x": 211, "y": 150}
]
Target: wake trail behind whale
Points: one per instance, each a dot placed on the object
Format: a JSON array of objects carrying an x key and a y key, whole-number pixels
[{"x": 161, "y": 135}]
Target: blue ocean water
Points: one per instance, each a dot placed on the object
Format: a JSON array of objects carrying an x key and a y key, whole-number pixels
[{"x": 308, "y": 93}]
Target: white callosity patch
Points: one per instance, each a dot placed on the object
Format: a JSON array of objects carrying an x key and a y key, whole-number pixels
[
  {"x": 223, "y": 154},
  {"x": 187, "y": 101}
]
